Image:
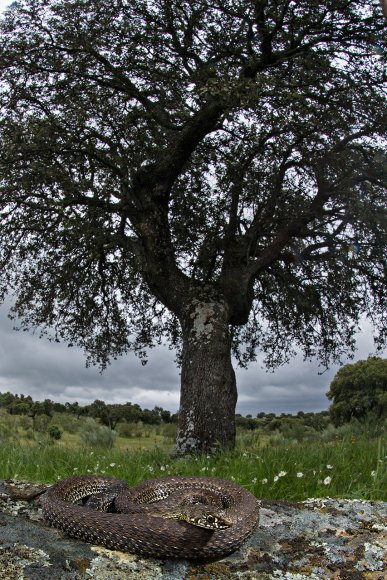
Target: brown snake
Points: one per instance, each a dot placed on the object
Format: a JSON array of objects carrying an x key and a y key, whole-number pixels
[{"x": 151, "y": 521}]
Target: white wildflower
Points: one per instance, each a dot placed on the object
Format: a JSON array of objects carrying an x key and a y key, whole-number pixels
[
  {"x": 373, "y": 473},
  {"x": 327, "y": 480},
  {"x": 329, "y": 466},
  {"x": 264, "y": 480},
  {"x": 282, "y": 473},
  {"x": 276, "y": 478},
  {"x": 112, "y": 464},
  {"x": 300, "y": 474}
]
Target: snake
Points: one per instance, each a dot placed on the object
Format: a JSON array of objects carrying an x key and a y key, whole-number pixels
[{"x": 193, "y": 518}]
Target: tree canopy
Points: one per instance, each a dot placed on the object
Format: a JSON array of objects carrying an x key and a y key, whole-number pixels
[
  {"x": 359, "y": 390},
  {"x": 166, "y": 164}
]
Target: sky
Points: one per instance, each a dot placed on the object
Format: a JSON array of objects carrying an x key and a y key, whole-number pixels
[
  {"x": 36, "y": 367},
  {"x": 43, "y": 369}
]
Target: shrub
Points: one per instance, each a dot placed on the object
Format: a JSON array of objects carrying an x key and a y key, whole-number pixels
[
  {"x": 54, "y": 432},
  {"x": 98, "y": 436},
  {"x": 169, "y": 431},
  {"x": 70, "y": 423},
  {"x": 126, "y": 429},
  {"x": 41, "y": 422}
]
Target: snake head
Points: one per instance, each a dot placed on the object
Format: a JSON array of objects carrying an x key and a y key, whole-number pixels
[
  {"x": 207, "y": 520},
  {"x": 210, "y": 521}
]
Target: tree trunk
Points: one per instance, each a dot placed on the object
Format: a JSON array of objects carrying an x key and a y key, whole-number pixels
[{"x": 208, "y": 386}]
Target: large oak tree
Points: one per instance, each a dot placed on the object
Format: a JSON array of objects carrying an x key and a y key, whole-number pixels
[{"x": 203, "y": 171}]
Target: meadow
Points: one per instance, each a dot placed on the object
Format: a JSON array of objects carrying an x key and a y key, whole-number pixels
[{"x": 347, "y": 462}]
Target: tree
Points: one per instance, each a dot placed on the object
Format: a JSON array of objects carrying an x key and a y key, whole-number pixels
[
  {"x": 131, "y": 413},
  {"x": 8, "y": 399},
  {"x": 75, "y": 409},
  {"x": 108, "y": 414},
  {"x": 208, "y": 173},
  {"x": 359, "y": 390}
]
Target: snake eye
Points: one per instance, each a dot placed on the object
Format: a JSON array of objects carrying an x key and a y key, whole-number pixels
[{"x": 211, "y": 519}]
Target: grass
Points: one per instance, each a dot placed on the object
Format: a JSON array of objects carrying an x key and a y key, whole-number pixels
[{"x": 346, "y": 467}]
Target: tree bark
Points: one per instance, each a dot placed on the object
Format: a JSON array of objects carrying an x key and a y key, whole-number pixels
[{"x": 208, "y": 386}]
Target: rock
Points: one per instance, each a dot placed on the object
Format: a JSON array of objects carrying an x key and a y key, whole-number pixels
[{"x": 317, "y": 539}]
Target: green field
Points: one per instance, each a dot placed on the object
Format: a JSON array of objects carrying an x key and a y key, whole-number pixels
[{"x": 348, "y": 462}]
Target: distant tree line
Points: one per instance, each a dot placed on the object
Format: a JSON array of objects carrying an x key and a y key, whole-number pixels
[
  {"x": 285, "y": 422},
  {"x": 358, "y": 391},
  {"x": 108, "y": 414},
  {"x": 111, "y": 414}
]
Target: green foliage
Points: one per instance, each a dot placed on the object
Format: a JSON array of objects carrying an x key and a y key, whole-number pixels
[
  {"x": 97, "y": 435},
  {"x": 70, "y": 413},
  {"x": 126, "y": 430},
  {"x": 41, "y": 423},
  {"x": 158, "y": 156},
  {"x": 349, "y": 461},
  {"x": 304, "y": 426},
  {"x": 169, "y": 431},
  {"x": 356, "y": 428},
  {"x": 54, "y": 432},
  {"x": 69, "y": 423},
  {"x": 347, "y": 466},
  {"x": 358, "y": 391}
]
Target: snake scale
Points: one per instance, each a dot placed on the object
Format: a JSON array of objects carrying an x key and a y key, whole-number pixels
[{"x": 197, "y": 518}]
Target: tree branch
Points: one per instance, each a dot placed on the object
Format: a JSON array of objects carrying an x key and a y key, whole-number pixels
[{"x": 284, "y": 236}]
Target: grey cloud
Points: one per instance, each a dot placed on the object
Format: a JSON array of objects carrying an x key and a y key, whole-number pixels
[
  {"x": 45, "y": 369},
  {"x": 297, "y": 386}
]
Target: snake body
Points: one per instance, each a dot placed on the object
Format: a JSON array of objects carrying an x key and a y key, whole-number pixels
[{"x": 149, "y": 518}]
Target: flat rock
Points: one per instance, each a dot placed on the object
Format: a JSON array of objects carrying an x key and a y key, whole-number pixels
[{"x": 318, "y": 538}]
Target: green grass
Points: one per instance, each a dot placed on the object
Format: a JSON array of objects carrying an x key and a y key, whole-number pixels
[{"x": 357, "y": 465}]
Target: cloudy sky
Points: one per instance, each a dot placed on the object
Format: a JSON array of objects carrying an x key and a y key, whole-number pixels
[
  {"x": 42, "y": 369},
  {"x": 34, "y": 366}
]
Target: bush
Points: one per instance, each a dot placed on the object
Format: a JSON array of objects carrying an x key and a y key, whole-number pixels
[
  {"x": 98, "y": 435},
  {"x": 54, "y": 432},
  {"x": 70, "y": 423},
  {"x": 169, "y": 431},
  {"x": 369, "y": 427},
  {"x": 127, "y": 429},
  {"x": 25, "y": 422},
  {"x": 41, "y": 422}
]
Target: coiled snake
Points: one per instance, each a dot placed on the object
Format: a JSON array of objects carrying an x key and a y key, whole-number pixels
[{"x": 197, "y": 518}]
